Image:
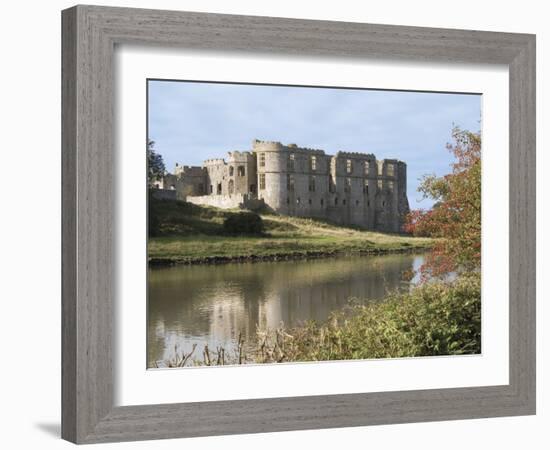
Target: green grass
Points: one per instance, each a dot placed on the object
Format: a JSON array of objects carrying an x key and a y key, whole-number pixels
[{"x": 189, "y": 233}]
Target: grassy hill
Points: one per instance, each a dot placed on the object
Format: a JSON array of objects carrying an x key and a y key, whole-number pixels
[{"x": 187, "y": 233}]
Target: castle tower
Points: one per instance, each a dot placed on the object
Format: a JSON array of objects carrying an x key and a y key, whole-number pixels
[
  {"x": 293, "y": 180},
  {"x": 391, "y": 197}
]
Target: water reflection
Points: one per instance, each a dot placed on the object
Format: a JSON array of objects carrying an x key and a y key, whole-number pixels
[{"x": 213, "y": 304}]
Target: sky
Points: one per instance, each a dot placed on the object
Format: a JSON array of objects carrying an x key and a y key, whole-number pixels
[{"x": 191, "y": 122}]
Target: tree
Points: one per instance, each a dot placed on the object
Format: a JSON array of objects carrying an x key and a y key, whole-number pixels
[
  {"x": 455, "y": 218},
  {"x": 155, "y": 164}
]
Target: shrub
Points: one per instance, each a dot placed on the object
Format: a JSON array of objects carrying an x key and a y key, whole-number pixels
[
  {"x": 456, "y": 214},
  {"x": 439, "y": 318},
  {"x": 243, "y": 223}
]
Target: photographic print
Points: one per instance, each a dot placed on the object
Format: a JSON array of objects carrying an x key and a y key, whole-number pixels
[{"x": 293, "y": 224}]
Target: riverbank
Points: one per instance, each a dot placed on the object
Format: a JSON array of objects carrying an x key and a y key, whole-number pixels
[
  {"x": 432, "y": 319},
  {"x": 163, "y": 261},
  {"x": 189, "y": 234}
]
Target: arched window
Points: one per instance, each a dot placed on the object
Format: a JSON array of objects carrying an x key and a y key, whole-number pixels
[{"x": 231, "y": 187}]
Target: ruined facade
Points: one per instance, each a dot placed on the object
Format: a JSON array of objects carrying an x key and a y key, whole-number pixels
[{"x": 345, "y": 188}]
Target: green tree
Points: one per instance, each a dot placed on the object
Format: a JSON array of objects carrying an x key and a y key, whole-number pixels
[
  {"x": 456, "y": 215},
  {"x": 155, "y": 164}
]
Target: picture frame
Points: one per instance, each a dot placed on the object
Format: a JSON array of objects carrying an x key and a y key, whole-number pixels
[{"x": 90, "y": 34}]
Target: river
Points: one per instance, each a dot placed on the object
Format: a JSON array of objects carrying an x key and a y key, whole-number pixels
[{"x": 212, "y": 304}]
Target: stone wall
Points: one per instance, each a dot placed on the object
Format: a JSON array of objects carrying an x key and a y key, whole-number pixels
[
  {"x": 187, "y": 180},
  {"x": 295, "y": 180},
  {"x": 235, "y": 201},
  {"x": 237, "y": 175},
  {"x": 347, "y": 188}
]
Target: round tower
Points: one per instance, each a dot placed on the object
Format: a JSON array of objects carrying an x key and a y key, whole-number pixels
[{"x": 272, "y": 165}]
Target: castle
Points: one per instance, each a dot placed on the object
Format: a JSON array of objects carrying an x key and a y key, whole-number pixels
[{"x": 345, "y": 188}]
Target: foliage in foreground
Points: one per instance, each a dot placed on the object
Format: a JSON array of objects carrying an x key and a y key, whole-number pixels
[
  {"x": 456, "y": 215},
  {"x": 436, "y": 318},
  {"x": 440, "y": 318},
  {"x": 155, "y": 163}
]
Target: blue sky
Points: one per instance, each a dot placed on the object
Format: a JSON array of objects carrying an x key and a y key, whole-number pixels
[{"x": 191, "y": 122}]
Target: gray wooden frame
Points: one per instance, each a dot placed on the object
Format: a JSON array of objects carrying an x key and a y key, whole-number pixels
[{"x": 89, "y": 36}]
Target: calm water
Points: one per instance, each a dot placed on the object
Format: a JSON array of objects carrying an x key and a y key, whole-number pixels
[{"x": 213, "y": 304}]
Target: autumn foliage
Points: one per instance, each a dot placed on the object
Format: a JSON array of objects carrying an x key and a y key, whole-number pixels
[{"x": 455, "y": 218}]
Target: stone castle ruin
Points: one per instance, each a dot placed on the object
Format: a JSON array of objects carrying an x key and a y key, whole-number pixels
[{"x": 345, "y": 188}]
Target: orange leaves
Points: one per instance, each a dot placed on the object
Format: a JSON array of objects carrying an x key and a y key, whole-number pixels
[{"x": 456, "y": 217}]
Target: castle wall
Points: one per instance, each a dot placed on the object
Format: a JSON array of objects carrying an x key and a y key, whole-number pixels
[
  {"x": 347, "y": 188},
  {"x": 240, "y": 201},
  {"x": 391, "y": 198},
  {"x": 237, "y": 175},
  {"x": 244, "y": 172},
  {"x": 354, "y": 177},
  {"x": 187, "y": 180},
  {"x": 296, "y": 179}
]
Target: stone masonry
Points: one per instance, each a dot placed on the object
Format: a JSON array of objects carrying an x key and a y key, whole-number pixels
[{"x": 345, "y": 188}]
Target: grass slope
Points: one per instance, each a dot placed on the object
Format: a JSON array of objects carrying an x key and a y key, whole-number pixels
[{"x": 188, "y": 233}]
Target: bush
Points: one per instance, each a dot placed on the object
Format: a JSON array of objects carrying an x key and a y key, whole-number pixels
[
  {"x": 243, "y": 223},
  {"x": 456, "y": 214},
  {"x": 440, "y": 318}
]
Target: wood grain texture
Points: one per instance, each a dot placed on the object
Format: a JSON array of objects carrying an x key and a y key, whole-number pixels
[
  {"x": 68, "y": 226},
  {"x": 89, "y": 36}
]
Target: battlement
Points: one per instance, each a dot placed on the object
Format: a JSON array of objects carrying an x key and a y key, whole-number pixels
[
  {"x": 259, "y": 141},
  {"x": 188, "y": 170},
  {"x": 295, "y": 149},
  {"x": 214, "y": 162},
  {"x": 238, "y": 156},
  {"x": 258, "y": 145},
  {"x": 354, "y": 155},
  {"x": 392, "y": 161}
]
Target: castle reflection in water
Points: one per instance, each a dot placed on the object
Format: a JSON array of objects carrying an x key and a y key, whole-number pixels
[{"x": 213, "y": 304}]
